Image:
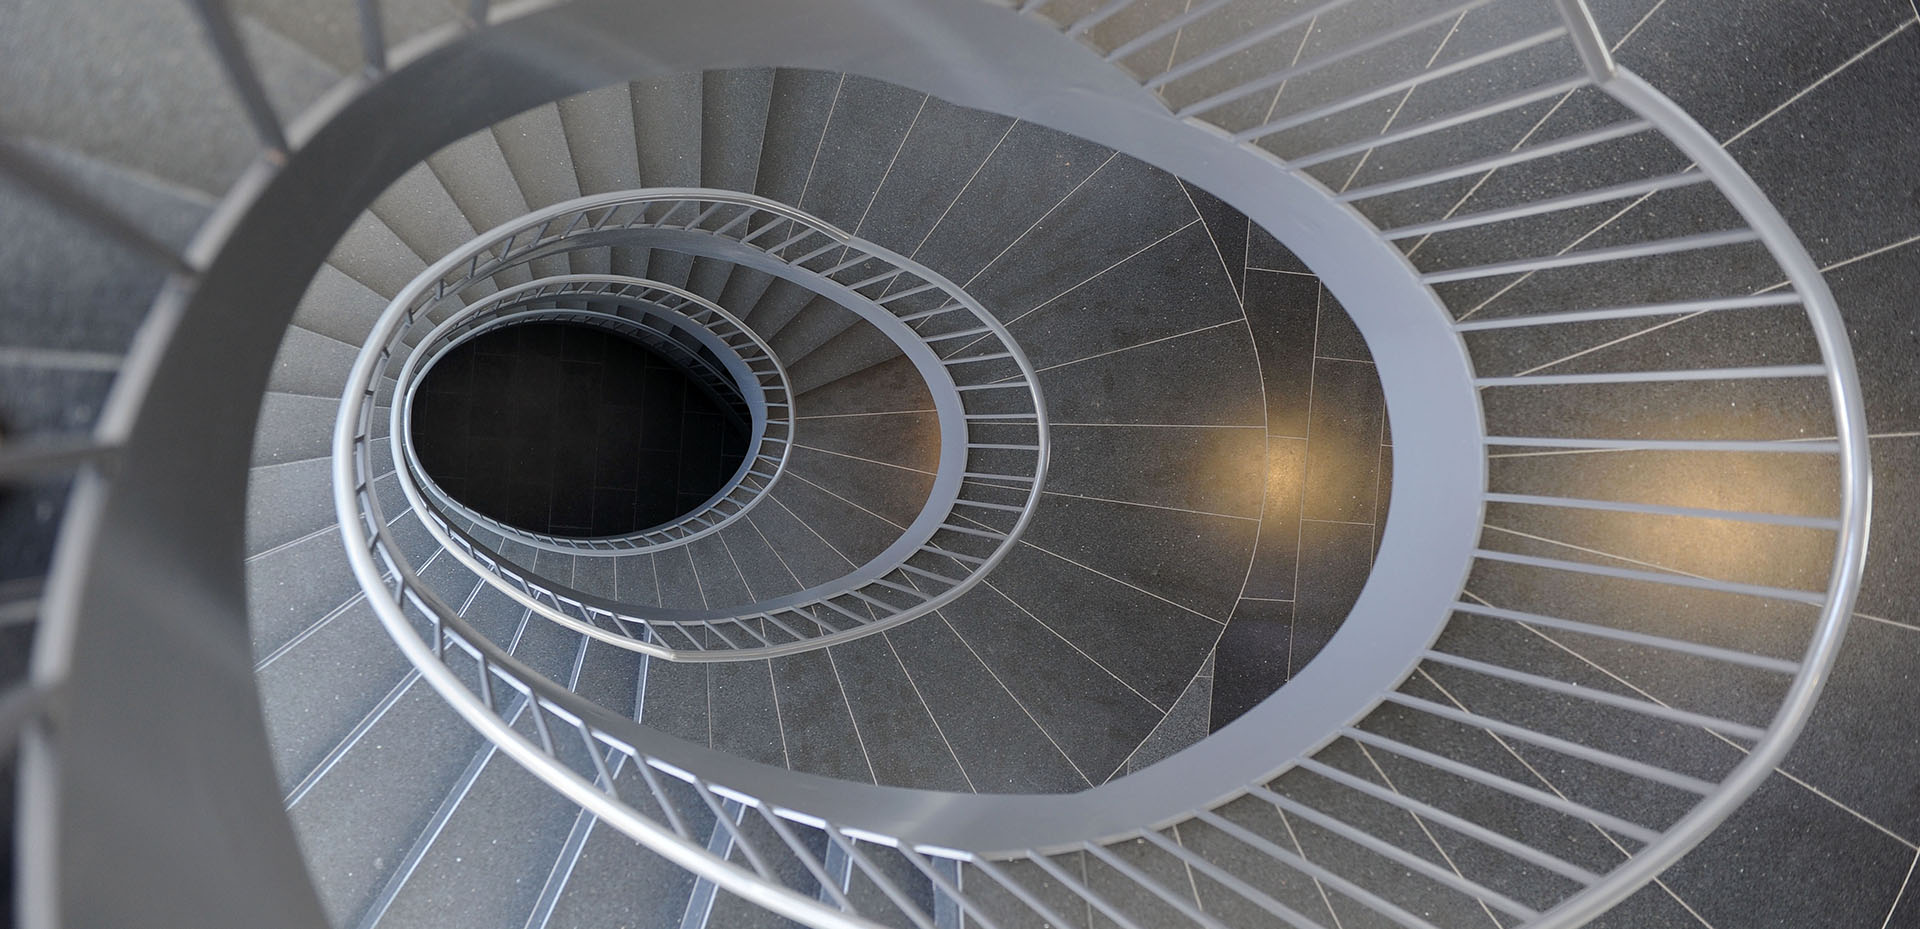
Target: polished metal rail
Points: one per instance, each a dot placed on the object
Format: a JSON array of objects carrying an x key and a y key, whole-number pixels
[
  {"x": 733, "y": 360},
  {"x": 969, "y": 521},
  {"x": 1472, "y": 699}
]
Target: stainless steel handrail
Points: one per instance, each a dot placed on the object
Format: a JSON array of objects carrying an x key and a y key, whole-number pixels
[{"x": 909, "y": 303}]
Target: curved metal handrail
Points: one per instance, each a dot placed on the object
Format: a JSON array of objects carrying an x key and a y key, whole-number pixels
[
  {"x": 923, "y": 833},
  {"x": 970, "y": 519},
  {"x": 768, "y": 444}
]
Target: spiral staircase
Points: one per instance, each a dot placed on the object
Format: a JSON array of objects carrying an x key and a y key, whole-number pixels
[{"x": 1033, "y": 463}]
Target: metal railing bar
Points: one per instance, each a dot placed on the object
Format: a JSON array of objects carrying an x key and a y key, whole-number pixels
[
  {"x": 774, "y": 618},
  {"x": 1495, "y": 162},
  {"x": 1163, "y": 30},
  {"x": 729, "y": 225},
  {"x": 1461, "y": 118},
  {"x": 594, "y": 749},
  {"x": 1756, "y": 372},
  {"x": 1275, "y": 78},
  {"x": 1550, "y": 205},
  {"x": 931, "y": 575},
  {"x": 1488, "y": 779},
  {"x": 1345, "y": 103},
  {"x": 1242, "y": 43},
  {"x": 909, "y": 292},
  {"x": 803, "y": 259},
  {"x": 674, "y": 820},
  {"x": 943, "y": 886},
  {"x": 1687, "y": 243},
  {"x": 725, "y": 821},
  {"x": 902, "y": 588},
  {"x": 1003, "y": 507},
  {"x": 1060, "y": 874},
  {"x": 805, "y": 855},
  {"x": 704, "y": 214},
  {"x": 1811, "y": 598},
  {"x": 967, "y": 530},
  {"x": 924, "y": 314},
  {"x": 1272, "y": 850},
  {"x": 900, "y": 901},
  {"x": 1098, "y": 16},
  {"x": 1396, "y": 854},
  {"x": 984, "y": 476},
  {"x": 1181, "y": 902},
  {"x": 997, "y": 385},
  {"x": 1587, "y": 39},
  {"x": 217, "y": 20},
  {"x": 373, "y": 39},
  {"x": 1639, "y": 769},
  {"x": 995, "y": 356},
  {"x": 1679, "y": 308},
  {"x": 1595, "y": 695},
  {"x": 966, "y": 559},
  {"x": 1231, "y": 881},
  {"x": 1728, "y": 655},
  {"x": 858, "y": 619},
  {"x": 1004, "y": 446},
  {"x": 1021, "y": 893},
  {"x": 35, "y": 178},
  {"x": 1659, "y": 509},
  {"x": 1782, "y": 446},
  {"x": 37, "y": 459},
  {"x": 1460, "y": 824}
]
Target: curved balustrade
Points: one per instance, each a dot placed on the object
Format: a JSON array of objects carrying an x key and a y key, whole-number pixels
[
  {"x": 731, "y": 359},
  {"x": 993, "y": 449},
  {"x": 1280, "y": 759}
]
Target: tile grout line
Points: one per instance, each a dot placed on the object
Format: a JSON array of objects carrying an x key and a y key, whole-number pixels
[
  {"x": 1095, "y": 276},
  {"x": 846, "y": 700},
  {"x": 1901, "y": 893},
  {"x": 1150, "y": 506},
  {"x": 871, "y": 413},
  {"x": 1123, "y": 583},
  {"x": 1071, "y": 644},
  {"x": 1424, "y": 830},
  {"x": 1178, "y": 335},
  {"x": 1771, "y": 287},
  {"x": 884, "y": 175},
  {"x": 1036, "y": 223},
  {"x": 887, "y": 637},
  {"x": 816, "y": 533},
  {"x": 963, "y": 190},
  {"x": 1299, "y": 529},
  {"x": 1818, "y": 81},
  {"x": 1395, "y": 115},
  {"x": 1550, "y": 785},
  {"x": 1778, "y": 769},
  {"x": 1542, "y": 121},
  {"x": 871, "y": 461},
  {"x": 1014, "y": 697},
  {"x": 779, "y": 720},
  {"x": 821, "y": 142},
  {"x": 1723, "y": 144}
]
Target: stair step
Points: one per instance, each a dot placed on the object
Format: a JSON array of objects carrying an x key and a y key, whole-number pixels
[
  {"x": 796, "y": 119},
  {"x": 423, "y": 214},
  {"x": 487, "y": 859},
  {"x": 316, "y": 693},
  {"x": 666, "y": 118},
  {"x": 293, "y": 427},
  {"x": 778, "y": 305},
  {"x": 535, "y": 145},
  {"x": 358, "y": 820},
  {"x": 908, "y": 748},
  {"x": 340, "y": 308},
  {"x": 818, "y": 322},
  {"x": 850, "y": 352},
  {"x": 474, "y": 172},
  {"x": 65, "y": 265},
  {"x": 331, "y": 32},
  {"x": 172, "y": 112},
  {"x": 288, "y": 501},
  {"x": 599, "y": 127},
  {"x": 870, "y": 120},
  {"x": 893, "y": 494},
  {"x": 616, "y": 881},
  {"x": 733, "y": 123},
  {"x": 373, "y": 254},
  {"x": 890, "y": 386}
]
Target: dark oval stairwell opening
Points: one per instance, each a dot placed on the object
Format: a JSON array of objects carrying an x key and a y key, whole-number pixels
[{"x": 574, "y": 431}]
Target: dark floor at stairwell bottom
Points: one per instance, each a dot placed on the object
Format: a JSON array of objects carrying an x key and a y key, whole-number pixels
[{"x": 573, "y": 431}]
